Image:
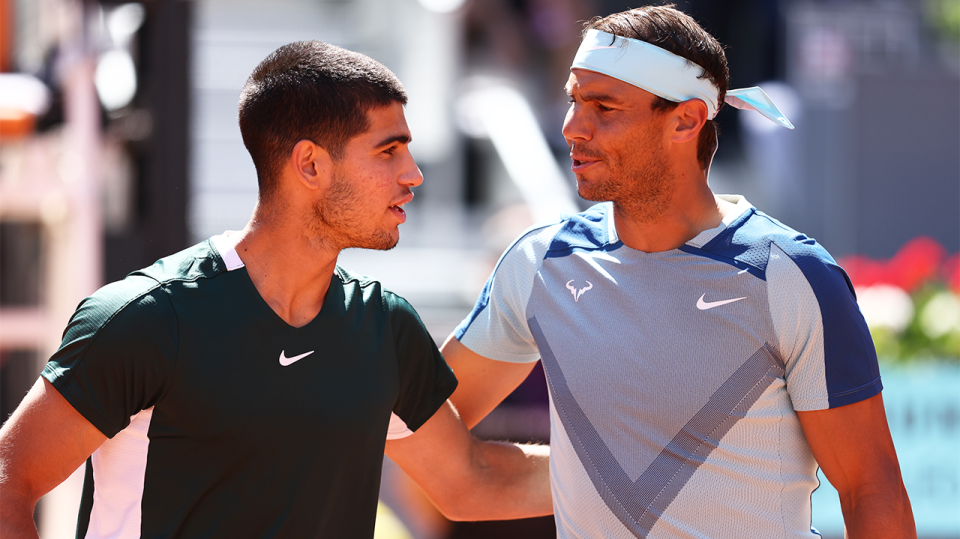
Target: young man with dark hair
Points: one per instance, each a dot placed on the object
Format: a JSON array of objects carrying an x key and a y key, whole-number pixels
[
  {"x": 249, "y": 386},
  {"x": 703, "y": 359}
]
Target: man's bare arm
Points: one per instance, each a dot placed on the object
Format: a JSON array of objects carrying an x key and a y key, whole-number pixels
[
  {"x": 41, "y": 444},
  {"x": 853, "y": 446},
  {"x": 472, "y": 480},
  {"x": 484, "y": 382}
]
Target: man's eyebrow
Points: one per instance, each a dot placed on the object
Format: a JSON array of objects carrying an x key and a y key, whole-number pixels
[
  {"x": 597, "y": 96},
  {"x": 402, "y": 139},
  {"x": 594, "y": 96}
]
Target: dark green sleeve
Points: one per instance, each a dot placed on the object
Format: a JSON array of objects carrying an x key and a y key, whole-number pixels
[
  {"x": 118, "y": 353},
  {"x": 426, "y": 380}
]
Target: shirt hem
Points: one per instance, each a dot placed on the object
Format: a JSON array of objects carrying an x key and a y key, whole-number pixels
[{"x": 76, "y": 401}]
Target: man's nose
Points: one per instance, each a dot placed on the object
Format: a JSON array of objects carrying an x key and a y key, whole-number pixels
[
  {"x": 411, "y": 175},
  {"x": 574, "y": 126}
]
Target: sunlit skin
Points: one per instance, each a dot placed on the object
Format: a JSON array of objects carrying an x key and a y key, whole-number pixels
[
  {"x": 612, "y": 132},
  {"x": 641, "y": 159},
  {"x": 363, "y": 205},
  {"x": 325, "y": 205}
]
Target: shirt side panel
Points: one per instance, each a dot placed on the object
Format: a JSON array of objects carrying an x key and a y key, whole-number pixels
[
  {"x": 119, "y": 468},
  {"x": 799, "y": 325},
  {"x": 116, "y": 362}
]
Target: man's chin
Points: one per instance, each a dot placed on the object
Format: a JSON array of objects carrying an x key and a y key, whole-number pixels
[
  {"x": 593, "y": 195},
  {"x": 383, "y": 242},
  {"x": 387, "y": 247}
]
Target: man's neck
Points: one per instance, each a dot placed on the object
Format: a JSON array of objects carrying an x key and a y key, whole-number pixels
[
  {"x": 291, "y": 271},
  {"x": 684, "y": 218}
]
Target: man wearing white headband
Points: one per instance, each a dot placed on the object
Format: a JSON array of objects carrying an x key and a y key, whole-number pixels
[{"x": 703, "y": 359}]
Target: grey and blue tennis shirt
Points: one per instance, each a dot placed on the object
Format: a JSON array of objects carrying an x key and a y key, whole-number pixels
[
  {"x": 224, "y": 420},
  {"x": 675, "y": 376}
]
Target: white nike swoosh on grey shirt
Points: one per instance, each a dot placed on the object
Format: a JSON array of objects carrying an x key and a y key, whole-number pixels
[
  {"x": 287, "y": 361},
  {"x": 704, "y": 305}
]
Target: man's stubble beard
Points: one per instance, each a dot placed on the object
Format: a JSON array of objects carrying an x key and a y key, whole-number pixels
[
  {"x": 640, "y": 191},
  {"x": 337, "y": 219}
]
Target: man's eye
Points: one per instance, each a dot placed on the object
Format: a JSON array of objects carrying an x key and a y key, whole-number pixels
[{"x": 603, "y": 108}]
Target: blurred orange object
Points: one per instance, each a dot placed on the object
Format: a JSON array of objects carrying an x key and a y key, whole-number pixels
[{"x": 15, "y": 123}]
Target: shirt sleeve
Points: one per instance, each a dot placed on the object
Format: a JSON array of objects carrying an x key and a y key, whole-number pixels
[
  {"x": 497, "y": 327},
  {"x": 426, "y": 381},
  {"x": 830, "y": 360},
  {"x": 117, "y": 354}
]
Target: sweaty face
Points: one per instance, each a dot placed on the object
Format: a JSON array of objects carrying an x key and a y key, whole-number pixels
[
  {"x": 617, "y": 145},
  {"x": 362, "y": 205}
]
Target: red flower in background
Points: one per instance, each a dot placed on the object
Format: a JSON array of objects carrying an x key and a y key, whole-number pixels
[
  {"x": 951, "y": 273},
  {"x": 864, "y": 272},
  {"x": 920, "y": 260},
  {"x": 917, "y": 262}
]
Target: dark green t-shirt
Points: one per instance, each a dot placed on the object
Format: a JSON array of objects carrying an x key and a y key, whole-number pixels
[{"x": 225, "y": 421}]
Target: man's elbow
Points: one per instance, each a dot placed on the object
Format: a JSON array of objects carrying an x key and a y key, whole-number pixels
[
  {"x": 878, "y": 510},
  {"x": 470, "y": 497},
  {"x": 457, "y": 504}
]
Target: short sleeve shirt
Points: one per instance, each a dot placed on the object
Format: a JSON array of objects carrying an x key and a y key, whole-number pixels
[
  {"x": 225, "y": 421},
  {"x": 675, "y": 376}
]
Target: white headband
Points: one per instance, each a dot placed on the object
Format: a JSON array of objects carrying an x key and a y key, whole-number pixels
[{"x": 665, "y": 74}]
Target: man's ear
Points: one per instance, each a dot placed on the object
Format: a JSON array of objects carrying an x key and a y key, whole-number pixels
[
  {"x": 689, "y": 118},
  {"x": 311, "y": 163}
]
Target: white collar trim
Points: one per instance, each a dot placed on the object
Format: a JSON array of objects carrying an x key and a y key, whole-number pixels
[
  {"x": 742, "y": 206},
  {"x": 226, "y": 245}
]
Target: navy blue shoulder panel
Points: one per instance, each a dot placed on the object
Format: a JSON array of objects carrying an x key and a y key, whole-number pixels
[
  {"x": 588, "y": 230},
  {"x": 852, "y": 371},
  {"x": 746, "y": 242}
]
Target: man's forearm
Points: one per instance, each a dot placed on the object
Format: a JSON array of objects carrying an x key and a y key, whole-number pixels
[
  {"x": 16, "y": 517},
  {"x": 469, "y": 479},
  {"x": 509, "y": 481}
]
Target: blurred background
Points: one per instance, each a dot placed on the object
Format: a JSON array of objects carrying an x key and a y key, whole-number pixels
[{"x": 119, "y": 145}]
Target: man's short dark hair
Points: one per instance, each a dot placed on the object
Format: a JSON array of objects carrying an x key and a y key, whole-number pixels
[
  {"x": 310, "y": 90},
  {"x": 677, "y": 32}
]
